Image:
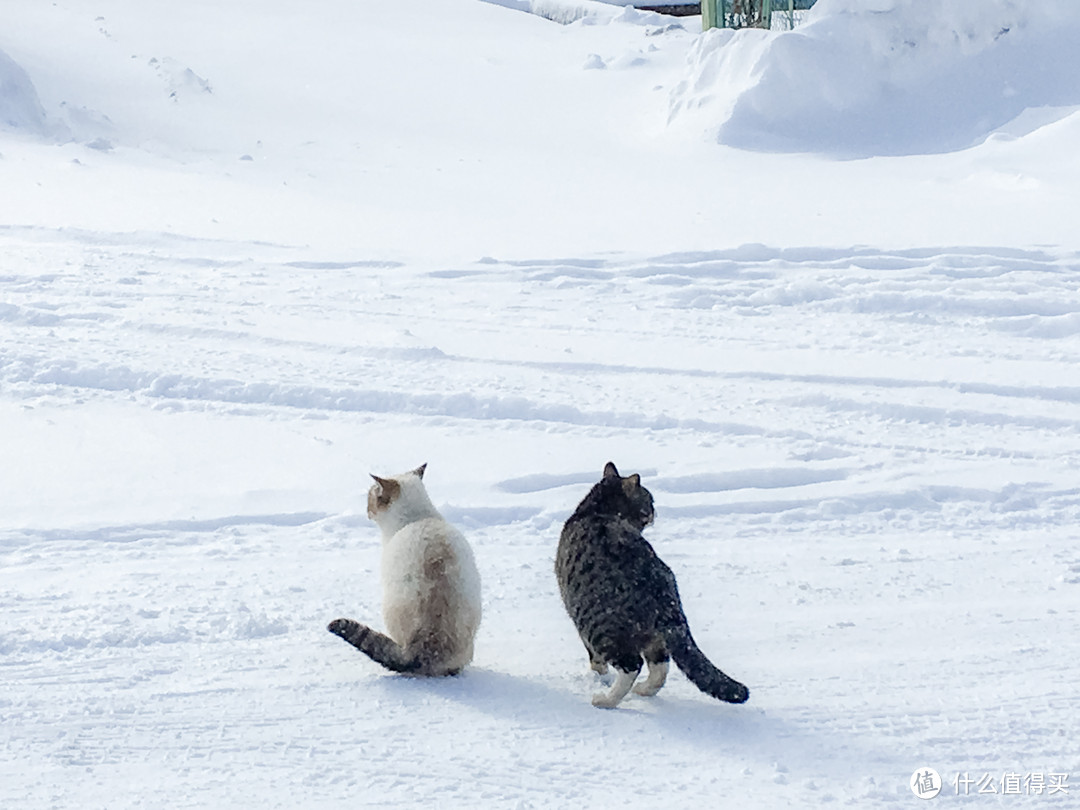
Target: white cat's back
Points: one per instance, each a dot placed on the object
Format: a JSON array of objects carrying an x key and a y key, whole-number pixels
[
  {"x": 430, "y": 584},
  {"x": 429, "y": 576}
]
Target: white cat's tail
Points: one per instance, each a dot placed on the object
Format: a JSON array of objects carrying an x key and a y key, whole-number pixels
[
  {"x": 427, "y": 657},
  {"x": 378, "y": 647},
  {"x": 699, "y": 669}
]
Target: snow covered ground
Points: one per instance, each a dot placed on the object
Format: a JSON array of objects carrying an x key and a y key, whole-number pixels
[{"x": 249, "y": 254}]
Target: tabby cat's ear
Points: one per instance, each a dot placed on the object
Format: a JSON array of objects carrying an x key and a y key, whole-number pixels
[
  {"x": 609, "y": 470},
  {"x": 635, "y": 481},
  {"x": 420, "y": 470}
]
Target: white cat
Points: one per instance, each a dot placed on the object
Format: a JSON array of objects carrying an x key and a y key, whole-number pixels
[{"x": 431, "y": 588}]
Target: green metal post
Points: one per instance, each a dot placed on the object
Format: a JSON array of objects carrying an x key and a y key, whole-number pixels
[
  {"x": 708, "y": 14},
  {"x": 766, "y": 13}
]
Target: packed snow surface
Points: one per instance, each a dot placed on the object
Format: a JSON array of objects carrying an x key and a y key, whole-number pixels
[{"x": 819, "y": 288}]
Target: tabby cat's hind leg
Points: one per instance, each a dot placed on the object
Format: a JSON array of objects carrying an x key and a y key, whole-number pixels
[
  {"x": 654, "y": 683},
  {"x": 378, "y": 647},
  {"x": 656, "y": 656},
  {"x": 624, "y": 679}
]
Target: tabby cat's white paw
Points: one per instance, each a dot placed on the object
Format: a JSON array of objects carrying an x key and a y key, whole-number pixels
[{"x": 602, "y": 700}]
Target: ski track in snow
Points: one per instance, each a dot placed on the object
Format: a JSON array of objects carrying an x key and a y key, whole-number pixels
[{"x": 865, "y": 467}]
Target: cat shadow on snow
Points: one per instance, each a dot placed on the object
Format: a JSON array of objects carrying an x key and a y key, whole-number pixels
[{"x": 745, "y": 734}]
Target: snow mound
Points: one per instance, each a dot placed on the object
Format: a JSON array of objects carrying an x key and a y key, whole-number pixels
[
  {"x": 20, "y": 108},
  {"x": 884, "y": 77},
  {"x": 590, "y": 12}
]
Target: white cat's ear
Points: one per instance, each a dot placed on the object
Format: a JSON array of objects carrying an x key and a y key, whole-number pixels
[
  {"x": 609, "y": 470},
  {"x": 382, "y": 482},
  {"x": 420, "y": 470}
]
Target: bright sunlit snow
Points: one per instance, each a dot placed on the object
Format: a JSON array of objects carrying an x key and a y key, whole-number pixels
[{"x": 818, "y": 287}]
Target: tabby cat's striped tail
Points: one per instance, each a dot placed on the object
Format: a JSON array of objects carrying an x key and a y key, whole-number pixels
[{"x": 700, "y": 670}]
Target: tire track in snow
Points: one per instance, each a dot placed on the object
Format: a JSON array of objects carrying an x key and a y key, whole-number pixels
[
  {"x": 67, "y": 374},
  {"x": 165, "y": 528},
  {"x": 1013, "y": 499},
  {"x": 931, "y": 415}
]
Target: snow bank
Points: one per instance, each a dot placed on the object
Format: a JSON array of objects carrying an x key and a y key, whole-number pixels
[
  {"x": 20, "y": 108},
  {"x": 560, "y": 12},
  {"x": 565, "y": 12},
  {"x": 883, "y": 77}
]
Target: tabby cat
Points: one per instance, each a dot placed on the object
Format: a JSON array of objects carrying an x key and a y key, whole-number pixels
[
  {"x": 431, "y": 588},
  {"x": 622, "y": 598}
]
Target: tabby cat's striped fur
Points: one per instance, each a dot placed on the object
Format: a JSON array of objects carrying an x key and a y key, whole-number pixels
[{"x": 623, "y": 599}]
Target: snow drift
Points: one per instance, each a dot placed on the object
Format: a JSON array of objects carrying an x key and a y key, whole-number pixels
[
  {"x": 884, "y": 77},
  {"x": 20, "y": 108}
]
